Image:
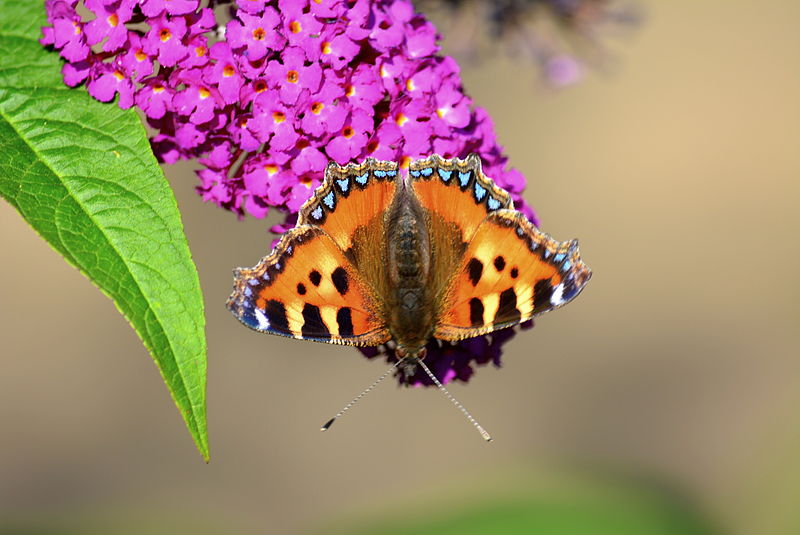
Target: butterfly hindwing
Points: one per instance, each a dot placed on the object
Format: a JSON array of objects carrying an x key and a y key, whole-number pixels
[
  {"x": 351, "y": 197},
  {"x": 306, "y": 288},
  {"x": 509, "y": 273},
  {"x": 458, "y": 191}
]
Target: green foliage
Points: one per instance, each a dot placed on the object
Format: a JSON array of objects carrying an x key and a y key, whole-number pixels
[{"x": 83, "y": 176}]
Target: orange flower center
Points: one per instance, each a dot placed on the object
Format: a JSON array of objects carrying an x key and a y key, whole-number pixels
[
  {"x": 200, "y": 51},
  {"x": 325, "y": 47},
  {"x": 348, "y": 132},
  {"x": 372, "y": 146},
  {"x": 350, "y": 90},
  {"x": 204, "y": 93},
  {"x": 405, "y": 162},
  {"x": 316, "y": 108},
  {"x": 158, "y": 88},
  {"x": 271, "y": 168},
  {"x": 278, "y": 117},
  {"x": 295, "y": 27},
  {"x": 259, "y": 34},
  {"x": 260, "y": 86},
  {"x": 164, "y": 35},
  {"x": 140, "y": 55},
  {"x": 113, "y": 20},
  {"x": 400, "y": 119},
  {"x": 228, "y": 71},
  {"x": 118, "y": 75},
  {"x": 306, "y": 181},
  {"x": 77, "y": 28},
  {"x": 410, "y": 84},
  {"x": 292, "y": 77}
]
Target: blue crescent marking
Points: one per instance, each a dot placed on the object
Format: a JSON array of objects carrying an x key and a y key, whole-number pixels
[
  {"x": 480, "y": 192},
  {"x": 265, "y": 276},
  {"x": 534, "y": 245},
  {"x": 344, "y": 185},
  {"x": 362, "y": 179},
  {"x": 463, "y": 178},
  {"x": 252, "y": 282},
  {"x": 329, "y": 200},
  {"x": 558, "y": 258},
  {"x": 445, "y": 174},
  {"x": 493, "y": 203},
  {"x": 278, "y": 266},
  {"x": 391, "y": 173},
  {"x": 379, "y": 173},
  {"x": 415, "y": 174},
  {"x": 248, "y": 292},
  {"x": 317, "y": 213},
  {"x": 520, "y": 231},
  {"x": 566, "y": 265},
  {"x": 546, "y": 252},
  {"x": 428, "y": 171}
]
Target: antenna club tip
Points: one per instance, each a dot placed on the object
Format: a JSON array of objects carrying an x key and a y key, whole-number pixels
[{"x": 327, "y": 425}]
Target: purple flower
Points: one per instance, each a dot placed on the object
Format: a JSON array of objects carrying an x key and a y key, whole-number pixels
[
  {"x": 109, "y": 24},
  {"x": 291, "y": 75},
  {"x": 352, "y": 140},
  {"x": 256, "y": 34},
  {"x": 224, "y": 73},
  {"x": 164, "y": 40},
  {"x": 107, "y": 81}
]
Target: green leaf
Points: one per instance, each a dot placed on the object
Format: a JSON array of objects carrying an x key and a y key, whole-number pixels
[{"x": 82, "y": 174}]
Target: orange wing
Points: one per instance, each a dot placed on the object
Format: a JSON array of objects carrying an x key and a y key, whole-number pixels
[
  {"x": 350, "y": 197},
  {"x": 510, "y": 272},
  {"x": 307, "y": 289},
  {"x": 457, "y": 191}
]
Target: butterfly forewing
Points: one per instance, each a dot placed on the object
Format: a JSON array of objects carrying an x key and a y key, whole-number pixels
[
  {"x": 457, "y": 191},
  {"x": 351, "y": 197},
  {"x": 509, "y": 273},
  {"x": 307, "y": 289}
]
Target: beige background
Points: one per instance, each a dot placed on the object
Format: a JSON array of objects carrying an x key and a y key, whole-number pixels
[{"x": 677, "y": 167}]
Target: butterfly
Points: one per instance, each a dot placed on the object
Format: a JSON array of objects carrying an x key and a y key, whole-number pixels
[{"x": 380, "y": 255}]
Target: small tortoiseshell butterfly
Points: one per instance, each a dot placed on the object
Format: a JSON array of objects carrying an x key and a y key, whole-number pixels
[{"x": 379, "y": 256}]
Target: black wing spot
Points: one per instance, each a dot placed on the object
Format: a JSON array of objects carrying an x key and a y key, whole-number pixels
[
  {"x": 499, "y": 263},
  {"x": 542, "y": 292},
  {"x": 315, "y": 277},
  {"x": 514, "y": 273},
  {"x": 340, "y": 280},
  {"x": 344, "y": 317},
  {"x": 313, "y": 326},
  {"x": 507, "y": 309},
  {"x": 476, "y": 312},
  {"x": 276, "y": 314},
  {"x": 475, "y": 268},
  {"x": 301, "y": 288}
]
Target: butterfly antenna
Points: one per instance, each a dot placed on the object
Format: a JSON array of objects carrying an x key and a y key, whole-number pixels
[
  {"x": 486, "y": 436},
  {"x": 366, "y": 391}
]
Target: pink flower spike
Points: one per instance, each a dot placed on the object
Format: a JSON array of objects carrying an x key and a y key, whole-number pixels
[
  {"x": 75, "y": 73},
  {"x": 68, "y": 36},
  {"x": 155, "y": 98}
]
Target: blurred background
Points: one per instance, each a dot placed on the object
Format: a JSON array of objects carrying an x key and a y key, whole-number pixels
[{"x": 665, "y": 399}]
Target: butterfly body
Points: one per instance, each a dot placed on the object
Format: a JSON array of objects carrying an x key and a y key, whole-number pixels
[{"x": 378, "y": 255}]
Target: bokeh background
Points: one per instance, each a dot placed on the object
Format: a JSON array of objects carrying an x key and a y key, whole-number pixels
[{"x": 665, "y": 399}]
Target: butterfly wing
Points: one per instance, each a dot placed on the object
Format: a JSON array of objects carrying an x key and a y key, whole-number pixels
[
  {"x": 457, "y": 192},
  {"x": 509, "y": 273},
  {"x": 325, "y": 278},
  {"x": 350, "y": 198},
  {"x": 306, "y": 288}
]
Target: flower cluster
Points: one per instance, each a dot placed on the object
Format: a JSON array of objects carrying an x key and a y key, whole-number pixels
[
  {"x": 266, "y": 99},
  {"x": 451, "y": 361},
  {"x": 547, "y": 31}
]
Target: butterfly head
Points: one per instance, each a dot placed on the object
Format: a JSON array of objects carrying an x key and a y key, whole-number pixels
[{"x": 409, "y": 360}]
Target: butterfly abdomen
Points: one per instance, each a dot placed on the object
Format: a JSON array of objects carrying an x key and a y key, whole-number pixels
[{"x": 408, "y": 253}]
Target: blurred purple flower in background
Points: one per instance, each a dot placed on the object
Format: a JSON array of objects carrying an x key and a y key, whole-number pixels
[{"x": 264, "y": 93}]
